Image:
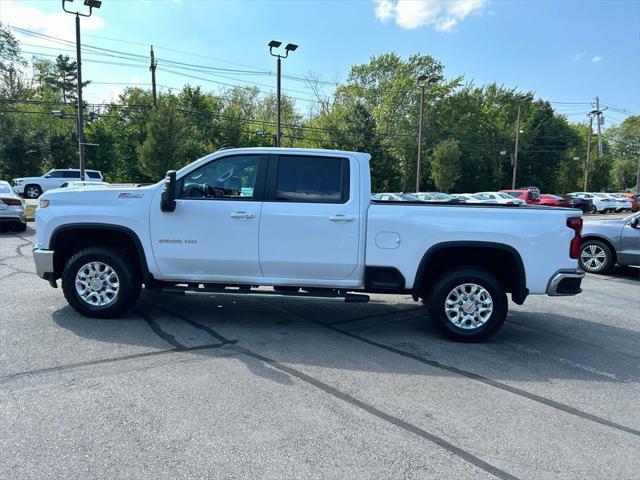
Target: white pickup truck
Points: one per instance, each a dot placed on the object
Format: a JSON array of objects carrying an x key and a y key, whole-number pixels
[{"x": 303, "y": 222}]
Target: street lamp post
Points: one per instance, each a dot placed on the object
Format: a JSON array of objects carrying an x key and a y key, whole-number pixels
[
  {"x": 422, "y": 85},
  {"x": 80, "y": 126},
  {"x": 290, "y": 47}
]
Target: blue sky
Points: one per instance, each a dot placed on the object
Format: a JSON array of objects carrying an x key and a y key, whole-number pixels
[{"x": 565, "y": 51}]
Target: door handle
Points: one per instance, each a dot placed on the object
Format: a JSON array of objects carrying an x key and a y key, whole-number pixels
[
  {"x": 241, "y": 215},
  {"x": 342, "y": 218}
]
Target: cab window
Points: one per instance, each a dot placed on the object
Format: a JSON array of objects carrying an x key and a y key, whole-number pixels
[
  {"x": 231, "y": 177},
  {"x": 312, "y": 179}
]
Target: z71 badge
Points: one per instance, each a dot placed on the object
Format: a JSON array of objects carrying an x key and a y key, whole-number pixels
[{"x": 130, "y": 195}]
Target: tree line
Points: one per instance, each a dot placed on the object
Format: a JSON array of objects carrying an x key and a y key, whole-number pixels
[{"x": 468, "y": 140}]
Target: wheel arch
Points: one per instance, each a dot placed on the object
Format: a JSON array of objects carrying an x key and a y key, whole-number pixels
[
  {"x": 501, "y": 259},
  {"x": 67, "y": 239}
]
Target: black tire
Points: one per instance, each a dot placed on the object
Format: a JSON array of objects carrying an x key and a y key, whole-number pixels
[
  {"x": 37, "y": 191},
  {"x": 129, "y": 281},
  {"x": 592, "y": 209},
  {"x": 601, "y": 251},
  {"x": 446, "y": 284},
  {"x": 20, "y": 227}
]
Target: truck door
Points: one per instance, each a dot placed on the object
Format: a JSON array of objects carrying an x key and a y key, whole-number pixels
[
  {"x": 310, "y": 222},
  {"x": 213, "y": 232}
]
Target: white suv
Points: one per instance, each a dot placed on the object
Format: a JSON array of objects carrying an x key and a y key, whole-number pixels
[{"x": 33, "y": 187}]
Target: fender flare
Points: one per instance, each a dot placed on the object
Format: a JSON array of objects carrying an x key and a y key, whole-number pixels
[
  {"x": 144, "y": 268},
  {"x": 520, "y": 291}
]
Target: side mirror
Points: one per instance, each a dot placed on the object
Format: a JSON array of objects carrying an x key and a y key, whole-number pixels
[
  {"x": 48, "y": 175},
  {"x": 635, "y": 222},
  {"x": 168, "y": 198}
]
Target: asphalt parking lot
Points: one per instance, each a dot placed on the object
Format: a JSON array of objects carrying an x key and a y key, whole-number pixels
[{"x": 236, "y": 387}]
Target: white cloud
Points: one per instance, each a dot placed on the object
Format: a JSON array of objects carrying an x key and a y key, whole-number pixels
[
  {"x": 443, "y": 15},
  {"x": 56, "y": 24},
  {"x": 579, "y": 56},
  {"x": 597, "y": 59}
]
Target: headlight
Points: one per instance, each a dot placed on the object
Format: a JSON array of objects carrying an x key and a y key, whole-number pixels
[
  {"x": 17, "y": 182},
  {"x": 44, "y": 203}
]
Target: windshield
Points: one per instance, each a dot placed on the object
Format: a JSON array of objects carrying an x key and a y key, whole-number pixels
[
  {"x": 441, "y": 196},
  {"x": 506, "y": 196}
]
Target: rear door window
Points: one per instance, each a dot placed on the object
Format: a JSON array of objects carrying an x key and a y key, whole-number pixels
[
  {"x": 310, "y": 179},
  {"x": 94, "y": 175}
]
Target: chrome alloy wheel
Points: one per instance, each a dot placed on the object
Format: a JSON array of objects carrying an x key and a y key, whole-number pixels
[
  {"x": 97, "y": 284},
  {"x": 593, "y": 257},
  {"x": 468, "y": 306},
  {"x": 33, "y": 192}
]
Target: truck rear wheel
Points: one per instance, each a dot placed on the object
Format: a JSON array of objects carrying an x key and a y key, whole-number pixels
[
  {"x": 468, "y": 304},
  {"x": 99, "y": 282}
]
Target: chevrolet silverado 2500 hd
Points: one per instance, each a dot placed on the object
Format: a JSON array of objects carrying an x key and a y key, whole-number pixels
[{"x": 303, "y": 222}]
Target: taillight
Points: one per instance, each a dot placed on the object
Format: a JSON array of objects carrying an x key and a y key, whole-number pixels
[
  {"x": 575, "y": 223},
  {"x": 12, "y": 202}
]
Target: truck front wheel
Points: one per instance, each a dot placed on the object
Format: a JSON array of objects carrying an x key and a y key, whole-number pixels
[
  {"x": 99, "y": 282},
  {"x": 468, "y": 304}
]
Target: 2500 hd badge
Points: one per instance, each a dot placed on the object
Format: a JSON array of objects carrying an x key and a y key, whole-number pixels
[{"x": 177, "y": 240}]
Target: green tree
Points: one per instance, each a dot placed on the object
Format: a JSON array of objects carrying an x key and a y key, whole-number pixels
[
  {"x": 11, "y": 62},
  {"x": 624, "y": 141},
  {"x": 164, "y": 148},
  {"x": 445, "y": 164}
]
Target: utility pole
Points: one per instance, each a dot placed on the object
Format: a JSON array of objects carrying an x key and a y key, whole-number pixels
[
  {"x": 152, "y": 67},
  {"x": 515, "y": 154},
  {"x": 80, "y": 123},
  {"x": 586, "y": 164},
  {"x": 423, "y": 86},
  {"x": 290, "y": 47},
  {"x": 599, "y": 114},
  {"x": 638, "y": 177},
  {"x": 80, "y": 104},
  {"x": 420, "y": 120}
]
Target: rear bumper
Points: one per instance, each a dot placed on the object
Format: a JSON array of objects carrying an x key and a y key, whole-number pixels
[
  {"x": 12, "y": 217},
  {"x": 565, "y": 282},
  {"x": 44, "y": 262}
]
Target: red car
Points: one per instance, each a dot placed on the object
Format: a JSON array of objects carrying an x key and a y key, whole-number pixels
[
  {"x": 531, "y": 195},
  {"x": 554, "y": 201}
]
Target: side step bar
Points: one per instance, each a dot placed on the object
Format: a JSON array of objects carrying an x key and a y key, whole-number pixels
[{"x": 340, "y": 295}]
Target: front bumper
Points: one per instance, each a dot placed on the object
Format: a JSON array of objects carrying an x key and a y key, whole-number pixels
[
  {"x": 44, "y": 262},
  {"x": 565, "y": 282}
]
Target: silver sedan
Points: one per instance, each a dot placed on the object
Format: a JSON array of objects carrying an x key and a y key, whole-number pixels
[
  {"x": 12, "y": 209},
  {"x": 609, "y": 242}
]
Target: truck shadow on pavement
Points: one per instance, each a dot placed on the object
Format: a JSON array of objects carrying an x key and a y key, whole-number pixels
[{"x": 375, "y": 337}]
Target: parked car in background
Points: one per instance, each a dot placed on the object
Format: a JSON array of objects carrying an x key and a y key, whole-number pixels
[
  {"x": 609, "y": 242},
  {"x": 12, "y": 208},
  {"x": 436, "y": 197},
  {"x": 77, "y": 184},
  {"x": 473, "y": 198},
  {"x": 33, "y": 187},
  {"x": 584, "y": 204},
  {"x": 395, "y": 197},
  {"x": 624, "y": 202},
  {"x": 602, "y": 204},
  {"x": 503, "y": 198},
  {"x": 635, "y": 201},
  {"x": 554, "y": 201},
  {"x": 617, "y": 204},
  {"x": 531, "y": 195}
]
